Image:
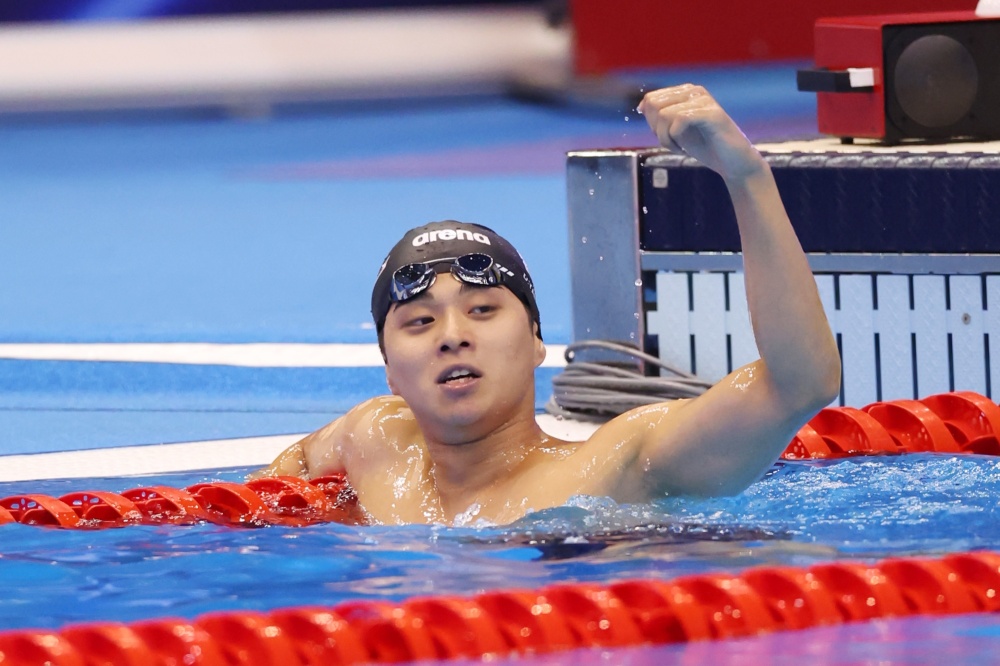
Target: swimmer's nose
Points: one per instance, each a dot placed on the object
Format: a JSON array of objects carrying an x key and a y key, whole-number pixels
[{"x": 454, "y": 331}]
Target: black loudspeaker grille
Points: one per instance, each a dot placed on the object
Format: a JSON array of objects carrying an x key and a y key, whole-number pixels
[{"x": 942, "y": 81}]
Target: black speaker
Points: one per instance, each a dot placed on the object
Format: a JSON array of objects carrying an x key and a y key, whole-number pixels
[
  {"x": 943, "y": 80},
  {"x": 928, "y": 76}
]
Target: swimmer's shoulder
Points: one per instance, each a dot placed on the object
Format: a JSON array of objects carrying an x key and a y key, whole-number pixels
[
  {"x": 383, "y": 415},
  {"x": 365, "y": 426}
]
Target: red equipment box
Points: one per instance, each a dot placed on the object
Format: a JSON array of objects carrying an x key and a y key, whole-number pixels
[{"x": 907, "y": 76}]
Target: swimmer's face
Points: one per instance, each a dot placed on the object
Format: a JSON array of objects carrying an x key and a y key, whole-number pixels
[{"x": 463, "y": 357}]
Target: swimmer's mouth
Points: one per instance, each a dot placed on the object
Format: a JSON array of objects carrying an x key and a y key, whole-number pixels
[{"x": 458, "y": 373}]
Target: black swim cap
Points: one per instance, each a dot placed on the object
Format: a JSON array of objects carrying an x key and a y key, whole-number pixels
[{"x": 447, "y": 240}]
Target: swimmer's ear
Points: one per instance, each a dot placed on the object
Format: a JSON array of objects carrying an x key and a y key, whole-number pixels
[
  {"x": 385, "y": 359},
  {"x": 388, "y": 380},
  {"x": 540, "y": 350}
]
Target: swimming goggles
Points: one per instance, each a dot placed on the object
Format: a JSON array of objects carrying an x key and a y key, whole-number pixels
[{"x": 412, "y": 279}]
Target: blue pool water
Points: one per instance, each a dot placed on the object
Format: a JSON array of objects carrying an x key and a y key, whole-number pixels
[{"x": 799, "y": 514}]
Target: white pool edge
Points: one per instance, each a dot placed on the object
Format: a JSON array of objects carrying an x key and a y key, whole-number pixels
[{"x": 127, "y": 461}]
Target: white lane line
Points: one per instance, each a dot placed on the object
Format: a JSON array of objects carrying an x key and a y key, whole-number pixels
[
  {"x": 153, "y": 459},
  {"x": 258, "y": 355},
  {"x": 192, "y": 456}
]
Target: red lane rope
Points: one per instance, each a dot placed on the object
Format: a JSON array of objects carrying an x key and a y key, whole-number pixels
[
  {"x": 280, "y": 500},
  {"x": 958, "y": 422},
  {"x": 558, "y": 617}
]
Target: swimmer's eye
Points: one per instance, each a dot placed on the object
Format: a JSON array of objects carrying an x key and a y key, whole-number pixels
[
  {"x": 417, "y": 322},
  {"x": 483, "y": 309}
]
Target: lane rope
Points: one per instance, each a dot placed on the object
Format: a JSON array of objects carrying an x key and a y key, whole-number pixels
[
  {"x": 510, "y": 622},
  {"x": 279, "y": 500}
]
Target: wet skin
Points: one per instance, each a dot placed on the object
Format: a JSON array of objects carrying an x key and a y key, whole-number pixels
[
  {"x": 457, "y": 449},
  {"x": 458, "y": 441}
]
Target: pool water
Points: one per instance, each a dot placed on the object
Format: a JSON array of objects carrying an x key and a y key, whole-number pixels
[{"x": 800, "y": 514}]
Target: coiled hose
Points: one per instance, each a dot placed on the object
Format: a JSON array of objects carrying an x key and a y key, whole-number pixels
[{"x": 601, "y": 390}]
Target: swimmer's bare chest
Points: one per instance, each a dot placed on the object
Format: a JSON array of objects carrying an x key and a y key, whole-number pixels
[
  {"x": 410, "y": 495},
  {"x": 395, "y": 484},
  {"x": 382, "y": 451},
  {"x": 398, "y": 486}
]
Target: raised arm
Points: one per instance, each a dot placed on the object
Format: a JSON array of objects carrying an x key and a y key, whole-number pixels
[
  {"x": 790, "y": 327},
  {"x": 727, "y": 438}
]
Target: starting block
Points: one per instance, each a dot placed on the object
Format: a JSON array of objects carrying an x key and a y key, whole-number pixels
[{"x": 904, "y": 243}]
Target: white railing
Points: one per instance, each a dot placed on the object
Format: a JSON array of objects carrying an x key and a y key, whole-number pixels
[{"x": 901, "y": 336}]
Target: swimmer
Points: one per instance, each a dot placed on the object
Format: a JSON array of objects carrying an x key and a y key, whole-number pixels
[{"x": 457, "y": 442}]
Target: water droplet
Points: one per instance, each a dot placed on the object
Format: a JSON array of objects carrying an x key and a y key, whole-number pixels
[
  {"x": 626, "y": 118},
  {"x": 601, "y": 258},
  {"x": 599, "y": 177},
  {"x": 591, "y": 190},
  {"x": 588, "y": 329},
  {"x": 645, "y": 211},
  {"x": 631, "y": 336},
  {"x": 584, "y": 240},
  {"x": 635, "y": 314},
  {"x": 638, "y": 282}
]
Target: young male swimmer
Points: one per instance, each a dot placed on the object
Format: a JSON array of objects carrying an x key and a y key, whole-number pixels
[{"x": 460, "y": 334}]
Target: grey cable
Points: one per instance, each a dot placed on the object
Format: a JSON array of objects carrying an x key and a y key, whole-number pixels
[{"x": 599, "y": 391}]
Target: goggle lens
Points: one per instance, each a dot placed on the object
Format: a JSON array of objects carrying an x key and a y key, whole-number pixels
[
  {"x": 412, "y": 279},
  {"x": 475, "y": 269}
]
